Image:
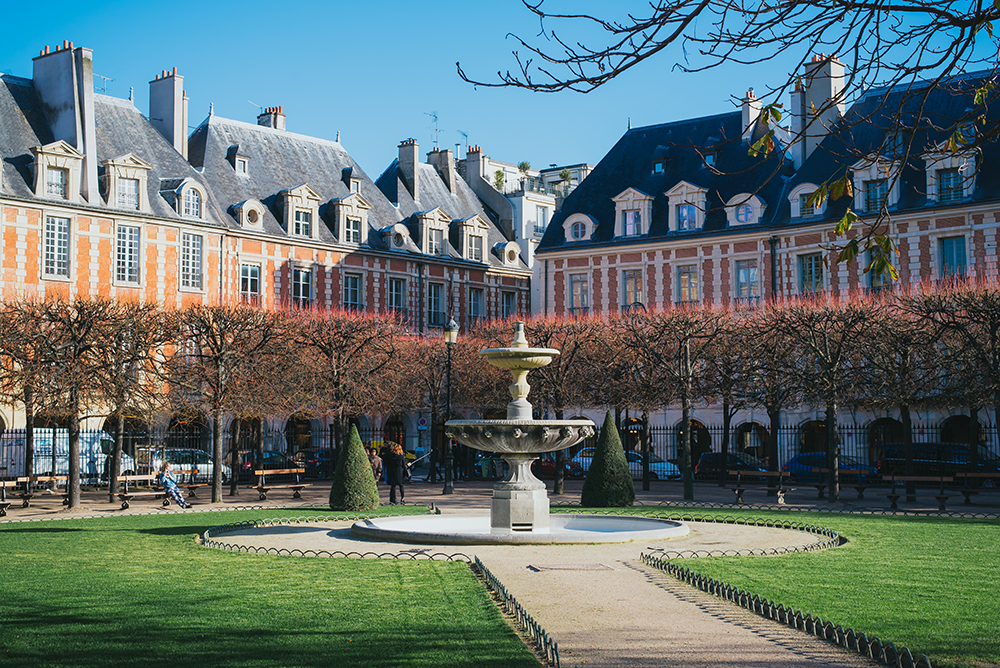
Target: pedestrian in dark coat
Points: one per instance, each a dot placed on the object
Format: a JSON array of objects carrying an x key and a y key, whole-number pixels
[{"x": 395, "y": 464}]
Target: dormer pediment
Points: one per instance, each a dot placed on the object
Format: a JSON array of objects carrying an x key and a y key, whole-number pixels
[
  {"x": 630, "y": 195},
  {"x": 683, "y": 187},
  {"x": 303, "y": 191},
  {"x": 475, "y": 222},
  {"x": 354, "y": 200},
  {"x": 127, "y": 161},
  {"x": 58, "y": 148}
]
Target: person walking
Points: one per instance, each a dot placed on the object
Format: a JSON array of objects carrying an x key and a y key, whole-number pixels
[
  {"x": 376, "y": 463},
  {"x": 169, "y": 482},
  {"x": 432, "y": 474},
  {"x": 395, "y": 462}
]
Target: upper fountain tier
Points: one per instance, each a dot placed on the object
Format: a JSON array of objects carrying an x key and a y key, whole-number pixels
[{"x": 519, "y": 359}]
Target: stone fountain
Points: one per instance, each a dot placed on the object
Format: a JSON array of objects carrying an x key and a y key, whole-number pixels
[{"x": 519, "y": 511}]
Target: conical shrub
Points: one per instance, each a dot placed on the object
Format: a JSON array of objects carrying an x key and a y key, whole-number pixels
[
  {"x": 353, "y": 485},
  {"x": 609, "y": 482}
]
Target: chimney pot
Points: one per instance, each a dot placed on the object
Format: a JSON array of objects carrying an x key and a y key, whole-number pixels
[
  {"x": 65, "y": 43},
  {"x": 174, "y": 72}
]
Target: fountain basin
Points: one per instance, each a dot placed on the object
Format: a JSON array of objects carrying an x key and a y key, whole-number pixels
[
  {"x": 476, "y": 530},
  {"x": 521, "y": 359},
  {"x": 519, "y": 436}
]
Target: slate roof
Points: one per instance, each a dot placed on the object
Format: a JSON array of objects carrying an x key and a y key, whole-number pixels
[
  {"x": 281, "y": 160},
  {"x": 629, "y": 164},
  {"x": 460, "y": 205},
  {"x": 22, "y": 126},
  {"x": 862, "y": 131}
]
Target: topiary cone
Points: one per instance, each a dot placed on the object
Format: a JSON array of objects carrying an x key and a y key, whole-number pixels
[
  {"x": 354, "y": 486},
  {"x": 609, "y": 482}
]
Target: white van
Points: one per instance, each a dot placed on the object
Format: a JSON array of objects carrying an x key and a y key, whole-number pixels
[{"x": 94, "y": 461}]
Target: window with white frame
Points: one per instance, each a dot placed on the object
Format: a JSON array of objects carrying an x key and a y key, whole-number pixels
[
  {"x": 811, "y": 273},
  {"x": 541, "y": 219},
  {"x": 950, "y": 186},
  {"x": 192, "y": 203},
  {"x": 876, "y": 191},
  {"x": 747, "y": 284},
  {"x": 242, "y": 165},
  {"x": 798, "y": 201},
  {"x": 806, "y": 208},
  {"x": 687, "y": 283},
  {"x": 477, "y": 305},
  {"x": 952, "y": 254},
  {"x": 687, "y": 217},
  {"x": 435, "y": 305},
  {"x": 632, "y": 287},
  {"x": 302, "y": 226},
  {"x": 508, "y": 304},
  {"x": 302, "y": 287},
  {"x": 56, "y": 182},
  {"x": 579, "y": 291},
  {"x": 579, "y": 227},
  {"x": 191, "y": 261},
  {"x": 579, "y": 230},
  {"x": 55, "y": 260},
  {"x": 352, "y": 231},
  {"x": 250, "y": 283},
  {"x": 877, "y": 281},
  {"x": 352, "y": 292},
  {"x": 475, "y": 248},
  {"x": 128, "y": 193},
  {"x": 744, "y": 209},
  {"x": 435, "y": 242},
  {"x": 397, "y": 295},
  {"x": 632, "y": 223},
  {"x": 127, "y": 254},
  {"x": 687, "y": 204}
]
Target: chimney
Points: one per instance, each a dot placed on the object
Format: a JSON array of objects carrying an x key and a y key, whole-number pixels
[
  {"x": 751, "y": 112},
  {"x": 64, "y": 81},
  {"x": 444, "y": 163},
  {"x": 818, "y": 101},
  {"x": 409, "y": 157},
  {"x": 473, "y": 163},
  {"x": 273, "y": 117},
  {"x": 168, "y": 109}
]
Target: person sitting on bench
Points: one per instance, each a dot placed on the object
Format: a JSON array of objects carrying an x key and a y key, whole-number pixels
[{"x": 169, "y": 483}]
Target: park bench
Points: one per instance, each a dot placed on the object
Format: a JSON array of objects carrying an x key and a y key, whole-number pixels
[
  {"x": 894, "y": 494},
  {"x": 742, "y": 485},
  {"x": 191, "y": 486},
  {"x": 4, "y": 503},
  {"x": 30, "y": 481},
  {"x": 970, "y": 479},
  {"x": 127, "y": 495},
  {"x": 263, "y": 488},
  {"x": 858, "y": 486}
]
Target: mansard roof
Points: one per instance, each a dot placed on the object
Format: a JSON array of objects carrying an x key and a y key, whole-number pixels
[
  {"x": 681, "y": 147},
  {"x": 279, "y": 161}
]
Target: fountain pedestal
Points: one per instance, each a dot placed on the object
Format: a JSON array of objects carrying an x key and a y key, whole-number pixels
[{"x": 520, "y": 501}]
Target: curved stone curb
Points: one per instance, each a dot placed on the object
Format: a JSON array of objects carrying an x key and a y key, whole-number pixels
[
  {"x": 885, "y": 653},
  {"x": 570, "y": 506}
]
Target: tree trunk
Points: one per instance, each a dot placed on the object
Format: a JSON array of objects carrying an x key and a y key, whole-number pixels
[
  {"x": 686, "y": 423},
  {"x": 832, "y": 451},
  {"x": 73, "y": 484},
  {"x": 29, "y": 434},
  {"x": 116, "y": 458},
  {"x": 217, "y": 456},
  {"x": 774, "y": 420},
  {"x": 644, "y": 448},
  {"x": 234, "y": 457},
  {"x": 727, "y": 420},
  {"x": 907, "y": 420}
]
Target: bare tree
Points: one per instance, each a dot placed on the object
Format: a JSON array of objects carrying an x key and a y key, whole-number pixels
[
  {"x": 219, "y": 351},
  {"x": 827, "y": 335}
]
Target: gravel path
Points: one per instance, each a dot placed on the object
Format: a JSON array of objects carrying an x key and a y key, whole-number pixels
[{"x": 605, "y": 608}]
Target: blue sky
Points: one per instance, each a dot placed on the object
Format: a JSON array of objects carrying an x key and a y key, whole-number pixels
[{"x": 370, "y": 69}]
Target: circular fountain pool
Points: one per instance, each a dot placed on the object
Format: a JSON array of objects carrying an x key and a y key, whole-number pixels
[{"x": 476, "y": 530}]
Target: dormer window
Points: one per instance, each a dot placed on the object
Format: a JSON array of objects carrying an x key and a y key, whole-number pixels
[
  {"x": 192, "y": 203},
  {"x": 872, "y": 188},
  {"x": 744, "y": 209},
  {"x": 355, "y": 185},
  {"x": 659, "y": 166},
  {"x": 250, "y": 213},
  {"x": 350, "y": 218},
  {"x": 56, "y": 182},
  {"x": 579, "y": 227},
  {"x": 475, "y": 248},
  {"x": 301, "y": 211},
  {"x": 128, "y": 194},
  {"x": 242, "y": 165},
  {"x": 875, "y": 194},
  {"x": 710, "y": 158},
  {"x": 352, "y": 231},
  {"x": 57, "y": 171},
  {"x": 949, "y": 186},
  {"x": 687, "y": 207},
  {"x": 798, "y": 201},
  {"x": 508, "y": 252},
  {"x": 633, "y": 210},
  {"x": 472, "y": 236},
  {"x": 951, "y": 176},
  {"x": 123, "y": 182},
  {"x": 303, "y": 223},
  {"x": 435, "y": 242}
]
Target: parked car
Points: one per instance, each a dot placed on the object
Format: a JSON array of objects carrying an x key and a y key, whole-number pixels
[
  {"x": 803, "y": 469},
  {"x": 659, "y": 469},
  {"x": 272, "y": 461},
  {"x": 95, "y": 446},
  {"x": 316, "y": 462},
  {"x": 545, "y": 467},
  {"x": 939, "y": 459},
  {"x": 708, "y": 464},
  {"x": 189, "y": 459}
]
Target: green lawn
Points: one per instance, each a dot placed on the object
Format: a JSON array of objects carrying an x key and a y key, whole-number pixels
[
  {"x": 131, "y": 590},
  {"x": 927, "y": 583}
]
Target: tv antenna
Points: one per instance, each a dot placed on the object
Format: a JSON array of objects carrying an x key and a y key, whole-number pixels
[
  {"x": 260, "y": 109},
  {"x": 104, "y": 83},
  {"x": 465, "y": 136},
  {"x": 437, "y": 131}
]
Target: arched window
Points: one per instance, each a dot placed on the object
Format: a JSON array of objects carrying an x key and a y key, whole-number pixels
[{"x": 192, "y": 203}]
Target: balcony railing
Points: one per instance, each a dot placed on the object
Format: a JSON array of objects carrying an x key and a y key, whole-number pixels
[{"x": 531, "y": 184}]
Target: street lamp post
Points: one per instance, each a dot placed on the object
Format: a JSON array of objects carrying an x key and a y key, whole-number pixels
[{"x": 450, "y": 337}]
